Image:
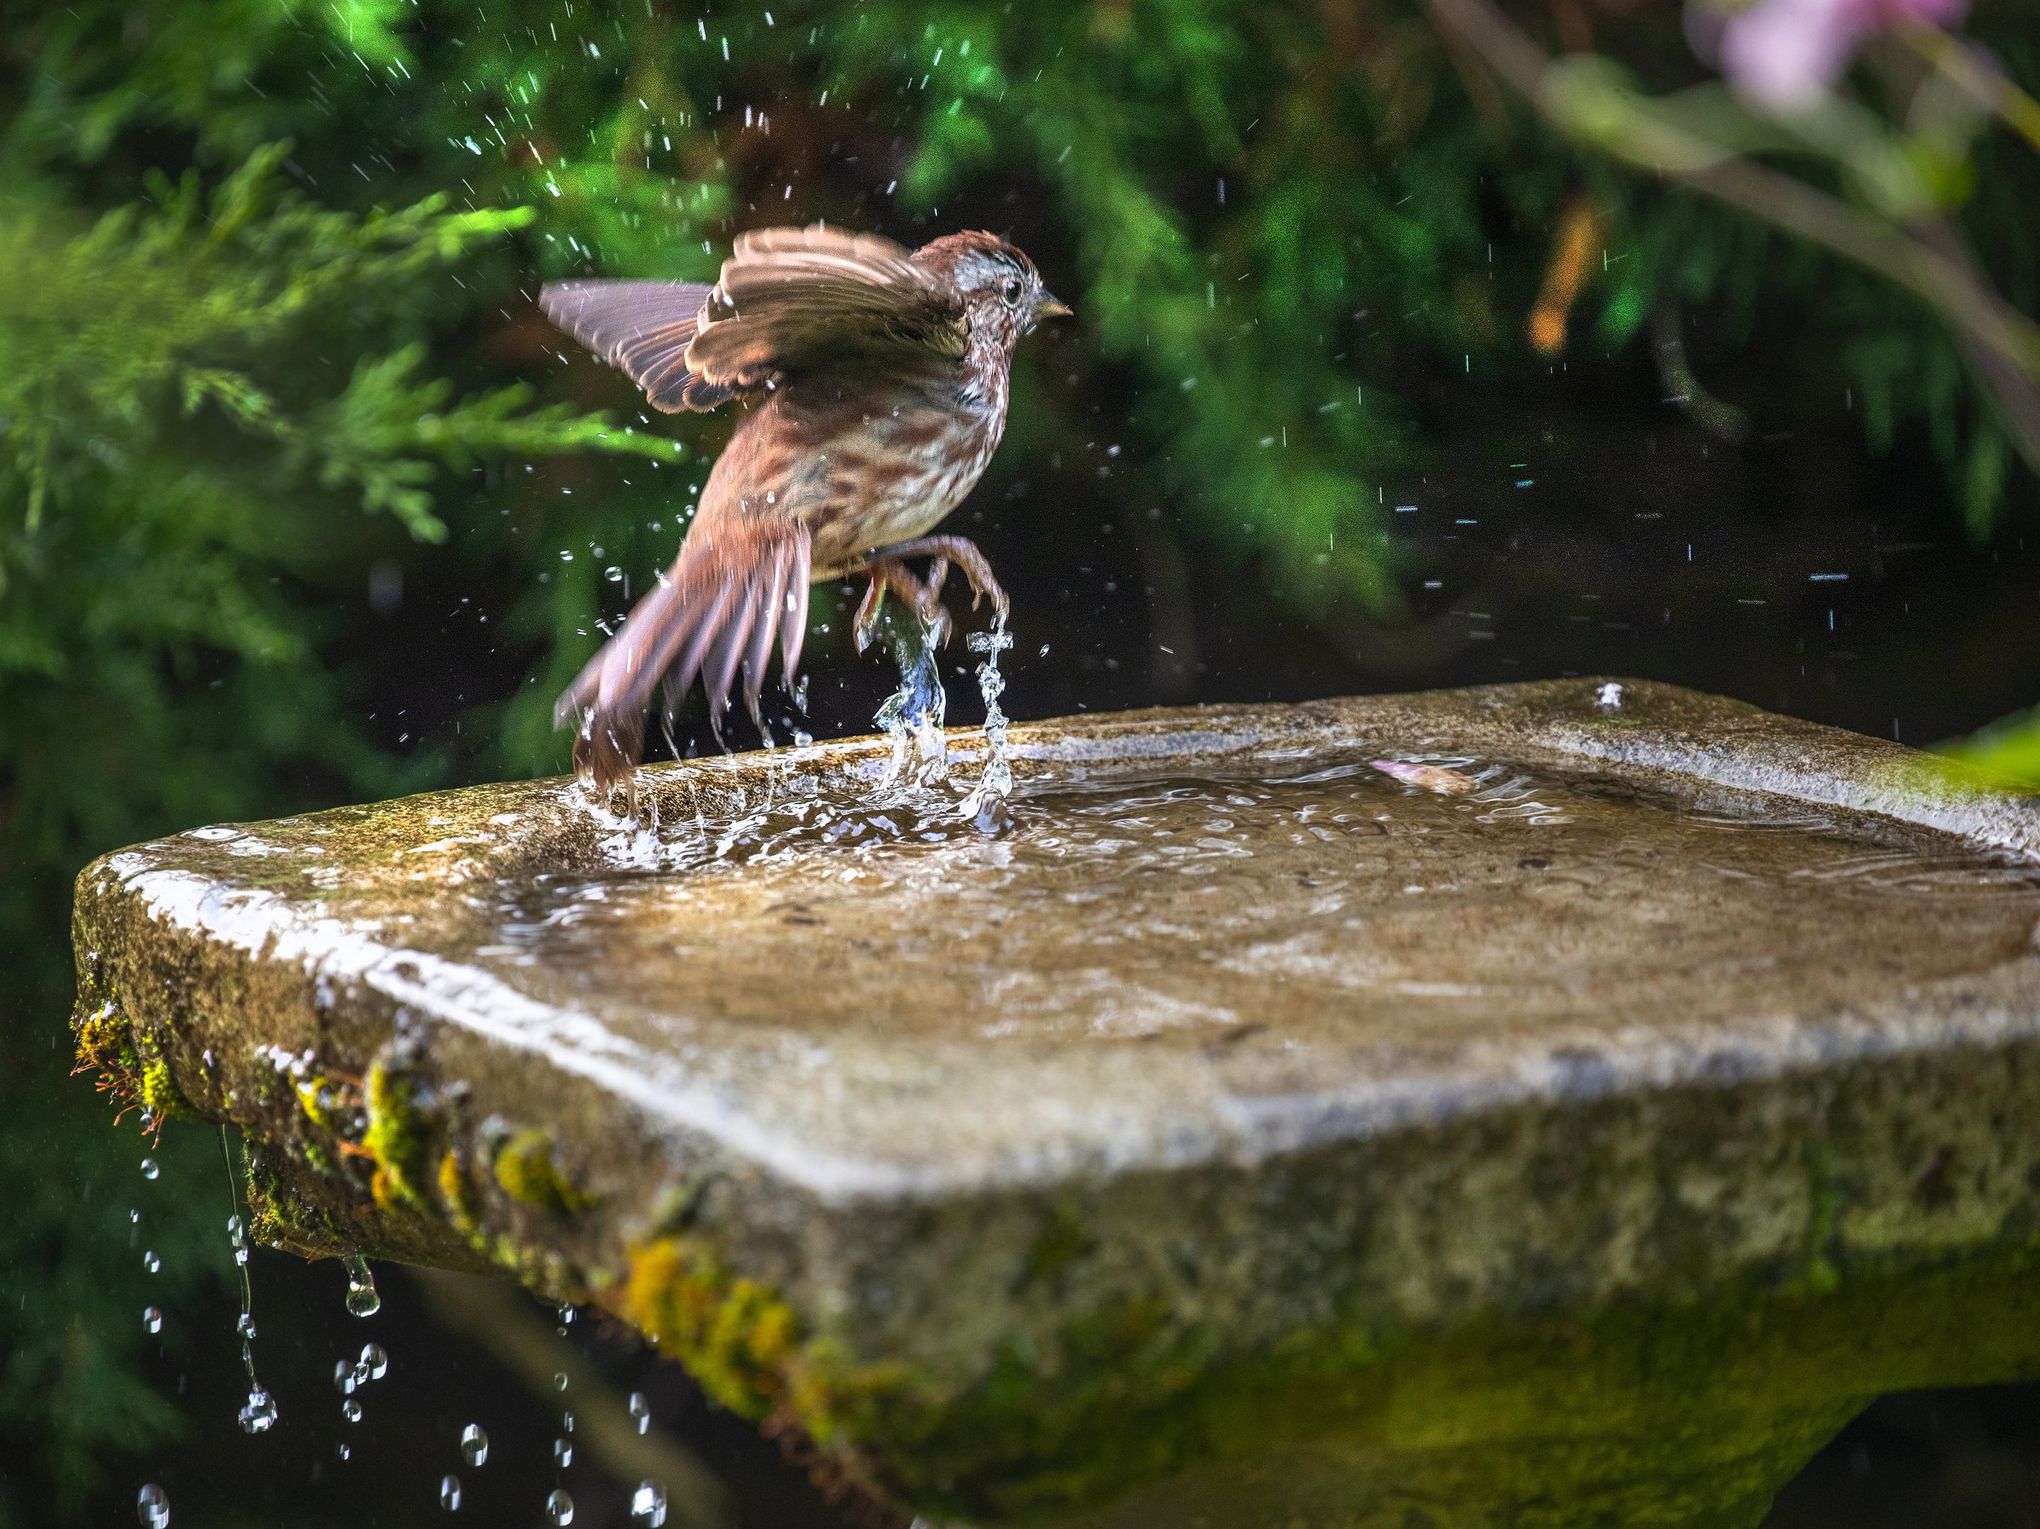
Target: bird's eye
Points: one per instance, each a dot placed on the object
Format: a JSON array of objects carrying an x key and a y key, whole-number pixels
[{"x": 1011, "y": 290}]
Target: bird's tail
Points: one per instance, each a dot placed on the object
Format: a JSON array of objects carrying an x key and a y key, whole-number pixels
[{"x": 734, "y": 590}]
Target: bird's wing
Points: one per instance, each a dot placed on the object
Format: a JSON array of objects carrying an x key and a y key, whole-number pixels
[
  {"x": 642, "y": 328},
  {"x": 740, "y": 586},
  {"x": 792, "y": 299}
]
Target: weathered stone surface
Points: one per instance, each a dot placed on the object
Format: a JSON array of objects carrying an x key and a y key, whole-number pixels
[{"x": 1244, "y": 1137}]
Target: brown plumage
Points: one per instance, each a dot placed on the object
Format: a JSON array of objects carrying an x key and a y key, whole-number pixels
[{"x": 876, "y": 379}]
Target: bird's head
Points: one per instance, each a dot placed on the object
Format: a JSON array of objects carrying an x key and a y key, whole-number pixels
[{"x": 1002, "y": 292}]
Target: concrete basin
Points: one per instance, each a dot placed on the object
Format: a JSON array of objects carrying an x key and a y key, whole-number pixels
[{"x": 1574, "y": 1123}]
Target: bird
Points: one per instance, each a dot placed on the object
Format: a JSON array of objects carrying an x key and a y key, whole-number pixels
[{"x": 875, "y": 382}]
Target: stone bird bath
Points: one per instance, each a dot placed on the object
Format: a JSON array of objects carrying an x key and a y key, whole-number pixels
[{"x": 1244, "y": 1138}]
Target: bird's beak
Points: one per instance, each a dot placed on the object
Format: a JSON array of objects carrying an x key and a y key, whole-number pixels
[{"x": 1050, "y": 307}]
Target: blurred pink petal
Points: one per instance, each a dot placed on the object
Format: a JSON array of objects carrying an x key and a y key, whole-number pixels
[{"x": 1787, "y": 54}]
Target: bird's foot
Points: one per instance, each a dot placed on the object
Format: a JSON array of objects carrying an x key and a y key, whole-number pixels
[
  {"x": 965, "y": 555},
  {"x": 924, "y": 598}
]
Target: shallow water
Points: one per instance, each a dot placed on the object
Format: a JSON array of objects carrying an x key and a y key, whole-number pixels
[{"x": 1336, "y": 905}]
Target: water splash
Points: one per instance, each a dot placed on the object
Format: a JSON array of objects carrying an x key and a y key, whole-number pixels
[
  {"x": 912, "y": 715},
  {"x": 362, "y": 1300},
  {"x": 258, "y": 1413},
  {"x": 986, "y": 804}
]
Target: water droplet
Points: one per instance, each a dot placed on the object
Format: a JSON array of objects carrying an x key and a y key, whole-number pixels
[
  {"x": 343, "y": 1377},
  {"x": 152, "y": 1507},
  {"x": 641, "y": 1410},
  {"x": 1609, "y": 697},
  {"x": 246, "y": 1325},
  {"x": 449, "y": 1493},
  {"x": 374, "y": 1362},
  {"x": 237, "y": 1230},
  {"x": 560, "y": 1508},
  {"x": 152, "y": 1319},
  {"x": 350, "y": 1409},
  {"x": 560, "y": 1380},
  {"x": 362, "y": 1301},
  {"x": 648, "y": 1505},
  {"x": 343, "y": 1450},
  {"x": 474, "y": 1444},
  {"x": 258, "y": 1413},
  {"x": 150, "y": 1262},
  {"x": 563, "y": 1453},
  {"x": 149, "y": 1168}
]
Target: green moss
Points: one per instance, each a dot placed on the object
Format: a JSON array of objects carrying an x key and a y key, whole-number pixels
[
  {"x": 525, "y": 1170},
  {"x": 746, "y": 1348},
  {"x": 457, "y": 1195},
  {"x": 160, "y": 1093},
  {"x": 106, "y": 1048},
  {"x": 397, "y": 1136}
]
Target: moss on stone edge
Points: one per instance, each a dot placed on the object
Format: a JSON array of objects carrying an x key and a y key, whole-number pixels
[
  {"x": 525, "y": 1171},
  {"x": 127, "y": 1066},
  {"x": 395, "y": 1137},
  {"x": 747, "y": 1349}
]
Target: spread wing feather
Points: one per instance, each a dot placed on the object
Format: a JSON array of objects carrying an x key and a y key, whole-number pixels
[
  {"x": 642, "y": 328},
  {"x": 788, "y": 300}
]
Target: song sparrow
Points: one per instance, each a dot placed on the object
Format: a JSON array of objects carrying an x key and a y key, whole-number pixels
[{"x": 877, "y": 379}]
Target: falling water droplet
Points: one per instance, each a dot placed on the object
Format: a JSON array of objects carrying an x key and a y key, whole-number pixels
[
  {"x": 152, "y": 1507},
  {"x": 449, "y": 1493},
  {"x": 150, "y": 1262},
  {"x": 474, "y": 1444},
  {"x": 343, "y": 1377},
  {"x": 362, "y": 1301},
  {"x": 641, "y": 1410},
  {"x": 152, "y": 1319},
  {"x": 344, "y": 1450},
  {"x": 258, "y": 1413},
  {"x": 560, "y": 1379},
  {"x": 374, "y": 1362},
  {"x": 648, "y": 1505},
  {"x": 560, "y": 1507},
  {"x": 350, "y": 1409},
  {"x": 149, "y": 1168},
  {"x": 563, "y": 1453},
  {"x": 245, "y": 1326}
]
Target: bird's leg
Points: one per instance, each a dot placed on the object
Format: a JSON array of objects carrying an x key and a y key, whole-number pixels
[
  {"x": 886, "y": 573},
  {"x": 962, "y": 552}
]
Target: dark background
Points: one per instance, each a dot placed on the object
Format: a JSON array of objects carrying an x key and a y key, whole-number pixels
[{"x": 241, "y": 578}]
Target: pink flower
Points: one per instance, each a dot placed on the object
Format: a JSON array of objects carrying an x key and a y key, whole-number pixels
[{"x": 1786, "y": 54}]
